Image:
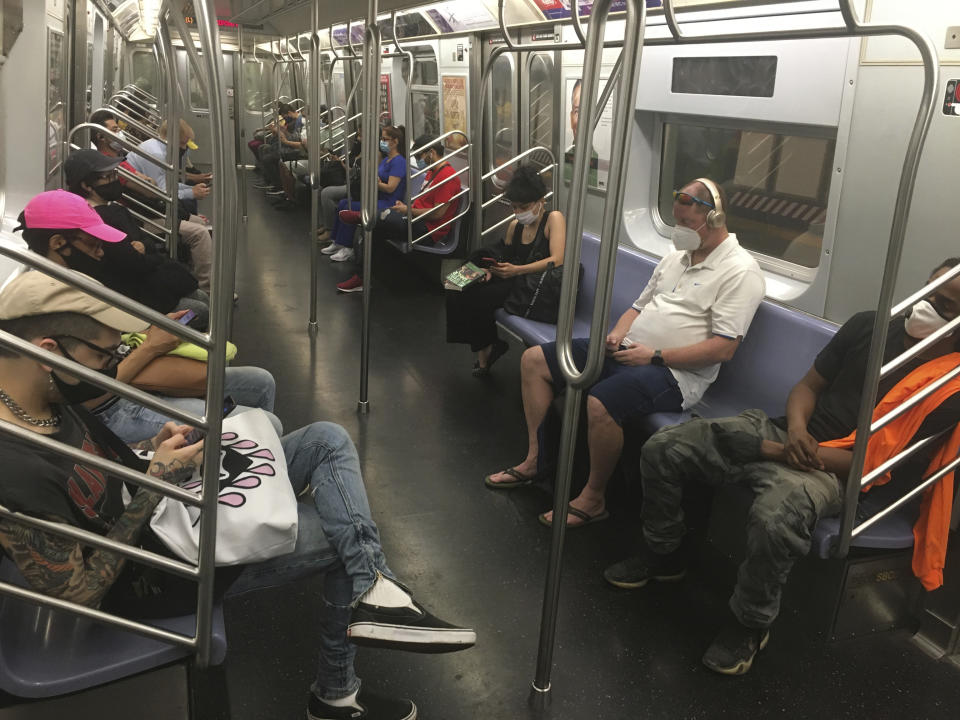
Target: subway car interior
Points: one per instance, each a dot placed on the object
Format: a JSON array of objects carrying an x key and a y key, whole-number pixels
[{"x": 359, "y": 189}]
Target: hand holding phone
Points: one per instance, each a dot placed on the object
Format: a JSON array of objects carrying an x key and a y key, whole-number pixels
[
  {"x": 195, "y": 435},
  {"x": 186, "y": 317},
  {"x": 486, "y": 262}
]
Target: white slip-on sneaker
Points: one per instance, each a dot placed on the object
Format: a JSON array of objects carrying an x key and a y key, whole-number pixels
[
  {"x": 331, "y": 249},
  {"x": 342, "y": 255}
]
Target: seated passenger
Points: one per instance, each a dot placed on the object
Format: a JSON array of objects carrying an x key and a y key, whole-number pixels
[
  {"x": 333, "y": 193},
  {"x": 337, "y": 537},
  {"x": 106, "y": 145},
  {"x": 286, "y": 144},
  {"x": 62, "y": 227},
  {"x": 391, "y": 187},
  {"x": 662, "y": 354},
  {"x": 193, "y": 231},
  {"x": 796, "y": 477},
  {"x": 429, "y": 212},
  {"x": 135, "y": 266},
  {"x": 534, "y": 242}
]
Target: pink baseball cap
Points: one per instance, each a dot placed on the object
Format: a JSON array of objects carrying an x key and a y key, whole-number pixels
[{"x": 62, "y": 210}]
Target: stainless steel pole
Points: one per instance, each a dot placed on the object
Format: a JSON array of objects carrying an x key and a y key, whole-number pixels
[
  {"x": 313, "y": 155},
  {"x": 577, "y": 380},
  {"x": 368, "y": 198},
  {"x": 165, "y": 52},
  {"x": 224, "y": 203}
]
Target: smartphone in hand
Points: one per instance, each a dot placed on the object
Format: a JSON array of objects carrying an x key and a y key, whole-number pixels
[{"x": 195, "y": 435}]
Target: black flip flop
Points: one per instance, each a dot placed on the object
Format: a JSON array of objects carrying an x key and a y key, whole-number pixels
[
  {"x": 576, "y": 512},
  {"x": 519, "y": 480},
  {"x": 498, "y": 350}
]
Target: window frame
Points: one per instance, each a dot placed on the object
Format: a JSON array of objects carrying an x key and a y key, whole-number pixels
[{"x": 767, "y": 262}]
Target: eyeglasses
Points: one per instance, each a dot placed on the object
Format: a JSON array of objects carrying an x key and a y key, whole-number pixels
[
  {"x": 688, "y": 199},
  {"x": 115, "y": 354}
]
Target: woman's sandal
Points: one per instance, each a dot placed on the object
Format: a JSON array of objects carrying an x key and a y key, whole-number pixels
[{"x": 499, "y": 349}]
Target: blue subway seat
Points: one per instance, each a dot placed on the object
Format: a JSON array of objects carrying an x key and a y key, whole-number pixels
[
  {"x": 779, "y": 348},
  {"x": 46, "y": 652}
]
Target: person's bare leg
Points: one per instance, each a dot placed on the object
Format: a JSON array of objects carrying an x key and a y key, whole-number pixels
[
  {"x": 605, "y": 440},
  {"x": 536, "y": 385}
]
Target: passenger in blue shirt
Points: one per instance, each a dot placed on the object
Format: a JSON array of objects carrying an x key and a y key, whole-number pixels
[{"x": 391, "y": 186}]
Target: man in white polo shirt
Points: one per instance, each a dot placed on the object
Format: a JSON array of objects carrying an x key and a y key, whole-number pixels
[{"x": 662, "y": 354}]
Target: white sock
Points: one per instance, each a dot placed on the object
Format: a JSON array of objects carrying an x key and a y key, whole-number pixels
[
  {"x": 386, "y": 593},
  {"x": 348, "y": 701}
]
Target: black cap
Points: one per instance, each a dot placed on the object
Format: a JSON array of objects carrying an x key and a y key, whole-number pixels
[
  {"x": 423, "y": 143},
  {"x": 81, "y": 164}
]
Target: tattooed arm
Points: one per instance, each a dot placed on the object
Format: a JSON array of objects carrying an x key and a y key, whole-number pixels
[
  {"x": 56, "y": 565},
  {"x": 166, "y": 432}
]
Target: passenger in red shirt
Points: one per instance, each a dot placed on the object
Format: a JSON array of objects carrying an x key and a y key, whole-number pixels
[{"x": 433, "y": 211}]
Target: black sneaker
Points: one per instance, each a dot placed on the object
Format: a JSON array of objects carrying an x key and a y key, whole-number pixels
[
  {"x": 406, "y": 628},
  {"x": 369, "y": 705},
  {"x": 637, "y": 571},
  {"x": 734, "y": 648}
]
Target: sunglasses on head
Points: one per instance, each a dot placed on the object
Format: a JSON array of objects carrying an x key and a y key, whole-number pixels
[{"x": 688, "y": 199}]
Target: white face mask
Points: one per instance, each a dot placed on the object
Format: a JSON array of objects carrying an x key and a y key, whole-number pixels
[
  {"x": 528, "y": 217},
  {"x": 114, "y": 145},
  {"x": 924, "y": 320},
  {"x": 685, "y": 238}
]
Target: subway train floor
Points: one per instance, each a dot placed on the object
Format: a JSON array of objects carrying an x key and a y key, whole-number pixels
[{"x": 478, "y": 557}]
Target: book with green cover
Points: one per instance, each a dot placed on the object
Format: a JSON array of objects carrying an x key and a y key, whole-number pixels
[{"x": 465, "y": 275}]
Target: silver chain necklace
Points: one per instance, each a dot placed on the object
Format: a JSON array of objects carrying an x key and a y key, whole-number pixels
[{"x": 21, "y": 414}]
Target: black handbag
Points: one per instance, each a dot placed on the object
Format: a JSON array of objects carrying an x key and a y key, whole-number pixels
[
  {"x": 332, "y": 174},
  {"x": 536, "y": 296}
]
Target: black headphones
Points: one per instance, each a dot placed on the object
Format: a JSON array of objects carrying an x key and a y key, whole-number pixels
[{"x": 718, "y": 216}]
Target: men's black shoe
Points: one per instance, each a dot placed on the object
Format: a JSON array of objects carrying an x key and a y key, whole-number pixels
[
  {"x": 369, "y": 706},
  {"x": 734, "y": 648},
  {"x": 407, "y": 628},
  {"x": 637, "y": 571}
]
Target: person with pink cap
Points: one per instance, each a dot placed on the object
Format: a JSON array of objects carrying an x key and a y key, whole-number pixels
[{"x": 63, "y": 228}]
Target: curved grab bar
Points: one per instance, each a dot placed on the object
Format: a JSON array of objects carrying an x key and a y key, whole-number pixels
[
  {"x": 353, "y": 50},
  {"x": 577, "y": 26},
  {"x": 140, "y": 91}
]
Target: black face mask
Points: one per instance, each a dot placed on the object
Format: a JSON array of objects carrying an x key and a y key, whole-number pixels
[
  {"x": 81, "y": 262},
  {"x": 110, "y": 191},
  {"x": 83, "y": 390}
]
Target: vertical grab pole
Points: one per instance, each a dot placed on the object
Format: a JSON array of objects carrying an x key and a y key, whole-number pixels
[
  {"x": 901, "y": 211},
  {"x": 172, "y": 218},
  {"x": 408, "y": 119},
  {"x": 576, "y": 380},
  {"x": 313, "y": 157},
  {"x": 240, "y": 114},
  {"x": 224, "y": 260},
  {"x": 368, "y": 178}
]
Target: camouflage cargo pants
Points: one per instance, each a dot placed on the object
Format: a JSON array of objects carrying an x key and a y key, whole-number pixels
[{"x": 787, "y": 503}]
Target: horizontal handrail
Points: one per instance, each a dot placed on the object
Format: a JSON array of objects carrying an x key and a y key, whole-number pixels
[
  {"x": 129, "y": 146},
  {"x": 141, "y": 92},
  {"x": 154, "y": 221},
  {"x": 525, "y": 153},
  {"x": 131, "y": 625},
  {"x": 152, "y": 132},
  {"x": 917, "y": 397},
  {"x": 508, "y": 218},
  {"x": 110, "y": 467},
  {"x": 926, "y": 291},
  {"x": 452, "y": 220},
  {"x": 886, "y": 467},
  {"x": 420, "y": 194},
  {"x": 948, "y": 468},
  {"x": 918, "y": 349},
  {"x": 94, "y": 540},
  {"x": 109, "y": 384},
  {"x": 150, "y": 112},
  {"x": 149, "y": 188},
  {"x": 91, "y": 287}
]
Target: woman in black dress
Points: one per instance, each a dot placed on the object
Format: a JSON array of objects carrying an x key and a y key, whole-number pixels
[{"x": 533, "y": 243}]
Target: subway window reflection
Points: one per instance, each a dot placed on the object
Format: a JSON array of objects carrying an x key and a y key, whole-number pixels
[{"x": 777, "y": 184}]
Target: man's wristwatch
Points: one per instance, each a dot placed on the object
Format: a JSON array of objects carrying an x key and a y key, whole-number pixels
[{"x": 657, "y": 358}]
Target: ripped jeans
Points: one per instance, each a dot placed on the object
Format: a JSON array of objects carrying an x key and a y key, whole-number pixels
[{"x": 336, "y": 537}]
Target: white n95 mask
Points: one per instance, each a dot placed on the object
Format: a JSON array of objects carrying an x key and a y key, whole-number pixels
[
  {"x": 685, "y": 238},
  {"x": 923, "y": 320}
]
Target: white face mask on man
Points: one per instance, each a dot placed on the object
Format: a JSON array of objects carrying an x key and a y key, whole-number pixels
[
  {"x": 924, "y": 320},
  {"x": 685, "y": 238}
]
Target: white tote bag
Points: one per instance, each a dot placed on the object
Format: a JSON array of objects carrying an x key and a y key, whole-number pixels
[{"x": 256, "y": 509}]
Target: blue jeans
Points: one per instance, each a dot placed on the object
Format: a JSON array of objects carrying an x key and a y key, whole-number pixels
[
  {"x": 250, "y": 387},
  {"x": 336, "y": 537}
]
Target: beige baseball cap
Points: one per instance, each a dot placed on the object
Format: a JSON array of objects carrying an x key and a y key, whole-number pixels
[{"x": 34, "y": 293}]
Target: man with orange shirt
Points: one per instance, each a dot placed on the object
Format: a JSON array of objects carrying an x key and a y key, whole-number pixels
[{"x": 795, "y": 474}]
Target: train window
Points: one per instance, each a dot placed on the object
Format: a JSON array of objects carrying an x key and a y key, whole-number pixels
[
  {"x": 253, "y": 99},
  {"x": 145, "y": 72},
  {"x": 503, "y": 113},
  {"x": 776, "y": 183},
  {"x": 426, "y": 113},
  {"x": 56, "y": 116},
  {"x": 89, "y": 72},
  {"x": 541, "y": 100},
  {"x": 198, "y": 98}
]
